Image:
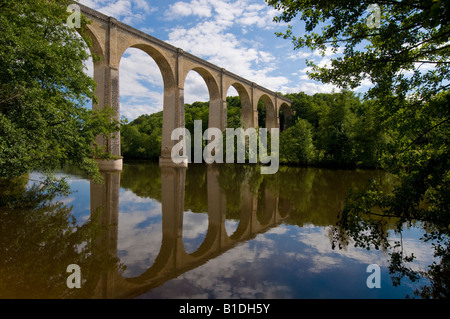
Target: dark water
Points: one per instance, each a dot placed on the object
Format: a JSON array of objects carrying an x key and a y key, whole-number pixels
[{"x": 206, "y": 232}]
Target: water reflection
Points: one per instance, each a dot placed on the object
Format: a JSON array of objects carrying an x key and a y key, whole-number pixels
[
  {"x": 211, "y": 231},
  {"x": 39, "y": 238},
  {"x": 173, "y": 258}
]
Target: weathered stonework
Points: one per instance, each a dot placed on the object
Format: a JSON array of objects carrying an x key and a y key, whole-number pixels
[{"x": 110, "y": 39}]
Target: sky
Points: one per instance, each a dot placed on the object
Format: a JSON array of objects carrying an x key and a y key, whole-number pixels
[{"x": 238, "y": 35}]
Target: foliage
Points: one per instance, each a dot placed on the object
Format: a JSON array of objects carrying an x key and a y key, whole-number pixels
[
  {"x": 296, "y": 143},
  {"x": 406, "y": 57},
  {"x": 344, "y": 131},
  {"x": 336, "y": 129},
  {"x": 141, "y": 138},
  {"x": 43, "y": 91},
  {"x": 39, "y": 238}
]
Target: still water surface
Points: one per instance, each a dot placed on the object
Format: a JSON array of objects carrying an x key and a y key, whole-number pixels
[{"x": 210, "y": 231}]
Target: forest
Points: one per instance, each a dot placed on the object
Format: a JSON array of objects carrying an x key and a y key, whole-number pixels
[{"x": 324, "y": 129}]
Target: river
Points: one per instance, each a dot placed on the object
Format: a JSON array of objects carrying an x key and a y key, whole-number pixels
[{"x": 208, "y": 231}]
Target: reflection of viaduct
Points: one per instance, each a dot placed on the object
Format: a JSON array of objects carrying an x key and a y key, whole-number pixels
[
  {"x": 173, "y": 260},
  {"x": 110, "y": 38}
]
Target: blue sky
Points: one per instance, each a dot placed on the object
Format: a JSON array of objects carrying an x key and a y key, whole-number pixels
[{"x": 238, "y": 35}]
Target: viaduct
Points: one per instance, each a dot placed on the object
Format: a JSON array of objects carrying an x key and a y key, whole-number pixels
[{"x": 110, "y": 38}]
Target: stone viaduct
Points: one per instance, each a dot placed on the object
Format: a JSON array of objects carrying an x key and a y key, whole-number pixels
[
  {"x": 110, "y": 38},
  {"x": 173, "y": 260}
]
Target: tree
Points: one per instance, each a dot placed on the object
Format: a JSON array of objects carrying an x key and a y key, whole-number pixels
[
  {"x": 405, "y": 54},
  {"x": 141, "y": 138},
  {"x": 44, "y": 90},
  {"x": 335, "y": 127},
  {"x": 234, "y": 110},
  {"x": 296, "y": 144}
]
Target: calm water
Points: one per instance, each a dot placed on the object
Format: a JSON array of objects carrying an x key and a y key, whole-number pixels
[{"x": 206, "y": 232}]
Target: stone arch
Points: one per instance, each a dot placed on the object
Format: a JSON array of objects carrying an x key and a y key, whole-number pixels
[
  {"x": 111, "y": 38},
  {"x": 246, "y": 104},
  {"x": 163, "y": 64},
  {"x": 216, "y": 107},
  {"x": 286, "y": 117},
  {"x": 95, "y": 46},
  {"x": 171, "y": 104},
  {"x": 271, "y": 115},
  {"x": 92, "y": 39}
]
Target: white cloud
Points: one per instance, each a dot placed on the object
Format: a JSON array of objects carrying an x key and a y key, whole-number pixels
[
  {"x": 200, "y": 8},
  {"x": 300, "y": 55},
  {"x": 141, "y": 84},
  {"x": 311, "y": 88},
  {"x": 133, "y": 111},
  {"x": 212, "y": 40},
  {"x": 195, "y": 88},
  {"x": 127, "y": 11}
]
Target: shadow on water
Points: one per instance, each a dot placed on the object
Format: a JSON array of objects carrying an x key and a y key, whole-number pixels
[{"x": 155, "y": 232}]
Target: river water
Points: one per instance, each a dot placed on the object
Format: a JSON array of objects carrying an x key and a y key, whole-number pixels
[{"x": 208, "y": 231}]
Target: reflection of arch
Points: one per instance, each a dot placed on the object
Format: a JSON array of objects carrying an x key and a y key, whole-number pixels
[
  {"x": 172, "y": 259},
  {"x": 268, "y": 211}
]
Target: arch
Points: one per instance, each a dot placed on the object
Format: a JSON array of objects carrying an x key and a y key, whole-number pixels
[
  {"x": 246, "y": 104},
  {"x": 171, "y": 103},
  {"x": 160, "y": 60},
  {"x": 92, "y": 39},
  {"x": 270, "y": 112},
  {"x": 286, "y": 117},
  {"x": 110, "y": 39},
  {"x": 211, "y": 83},
  {"x": 217, "y": 118},
  {"x": 95, "y": 45}
]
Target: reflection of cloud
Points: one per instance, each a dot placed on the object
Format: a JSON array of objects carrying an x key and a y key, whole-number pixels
[
  {"x": 285, "y": 262},
  {"x": 412, "y": 244},
  {"x": 139, "y": 233},
  {"x": 234, "y": 274},
  {"x": 67, "y": 200},
  {"x": 231, "y": 225},
  {"x": 127, "y": 196},
  {"x": 324, "y": 257},
  {"x": 195, "y": 227}
]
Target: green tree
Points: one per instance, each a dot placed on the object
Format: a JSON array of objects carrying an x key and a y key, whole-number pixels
[
  {"x": 43, "y": 91},
  {"x": 407, "y": 58},
  {"x": 335, "y": 127},
  {"x": 296, "y": 144},
  {"x": 141, "y": 138},
  {"x": 234, "y": 110}
]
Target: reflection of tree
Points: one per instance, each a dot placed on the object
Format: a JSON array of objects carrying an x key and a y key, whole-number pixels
[
  {"x": 368, "y": 227},
  {"x": 143, "y": 179},
  {"x": 231, "y": 180},
  {"x": 39, "y": 238},
  {"x": 315, "y": 195},
  {"x": 196, "y": 194}
]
